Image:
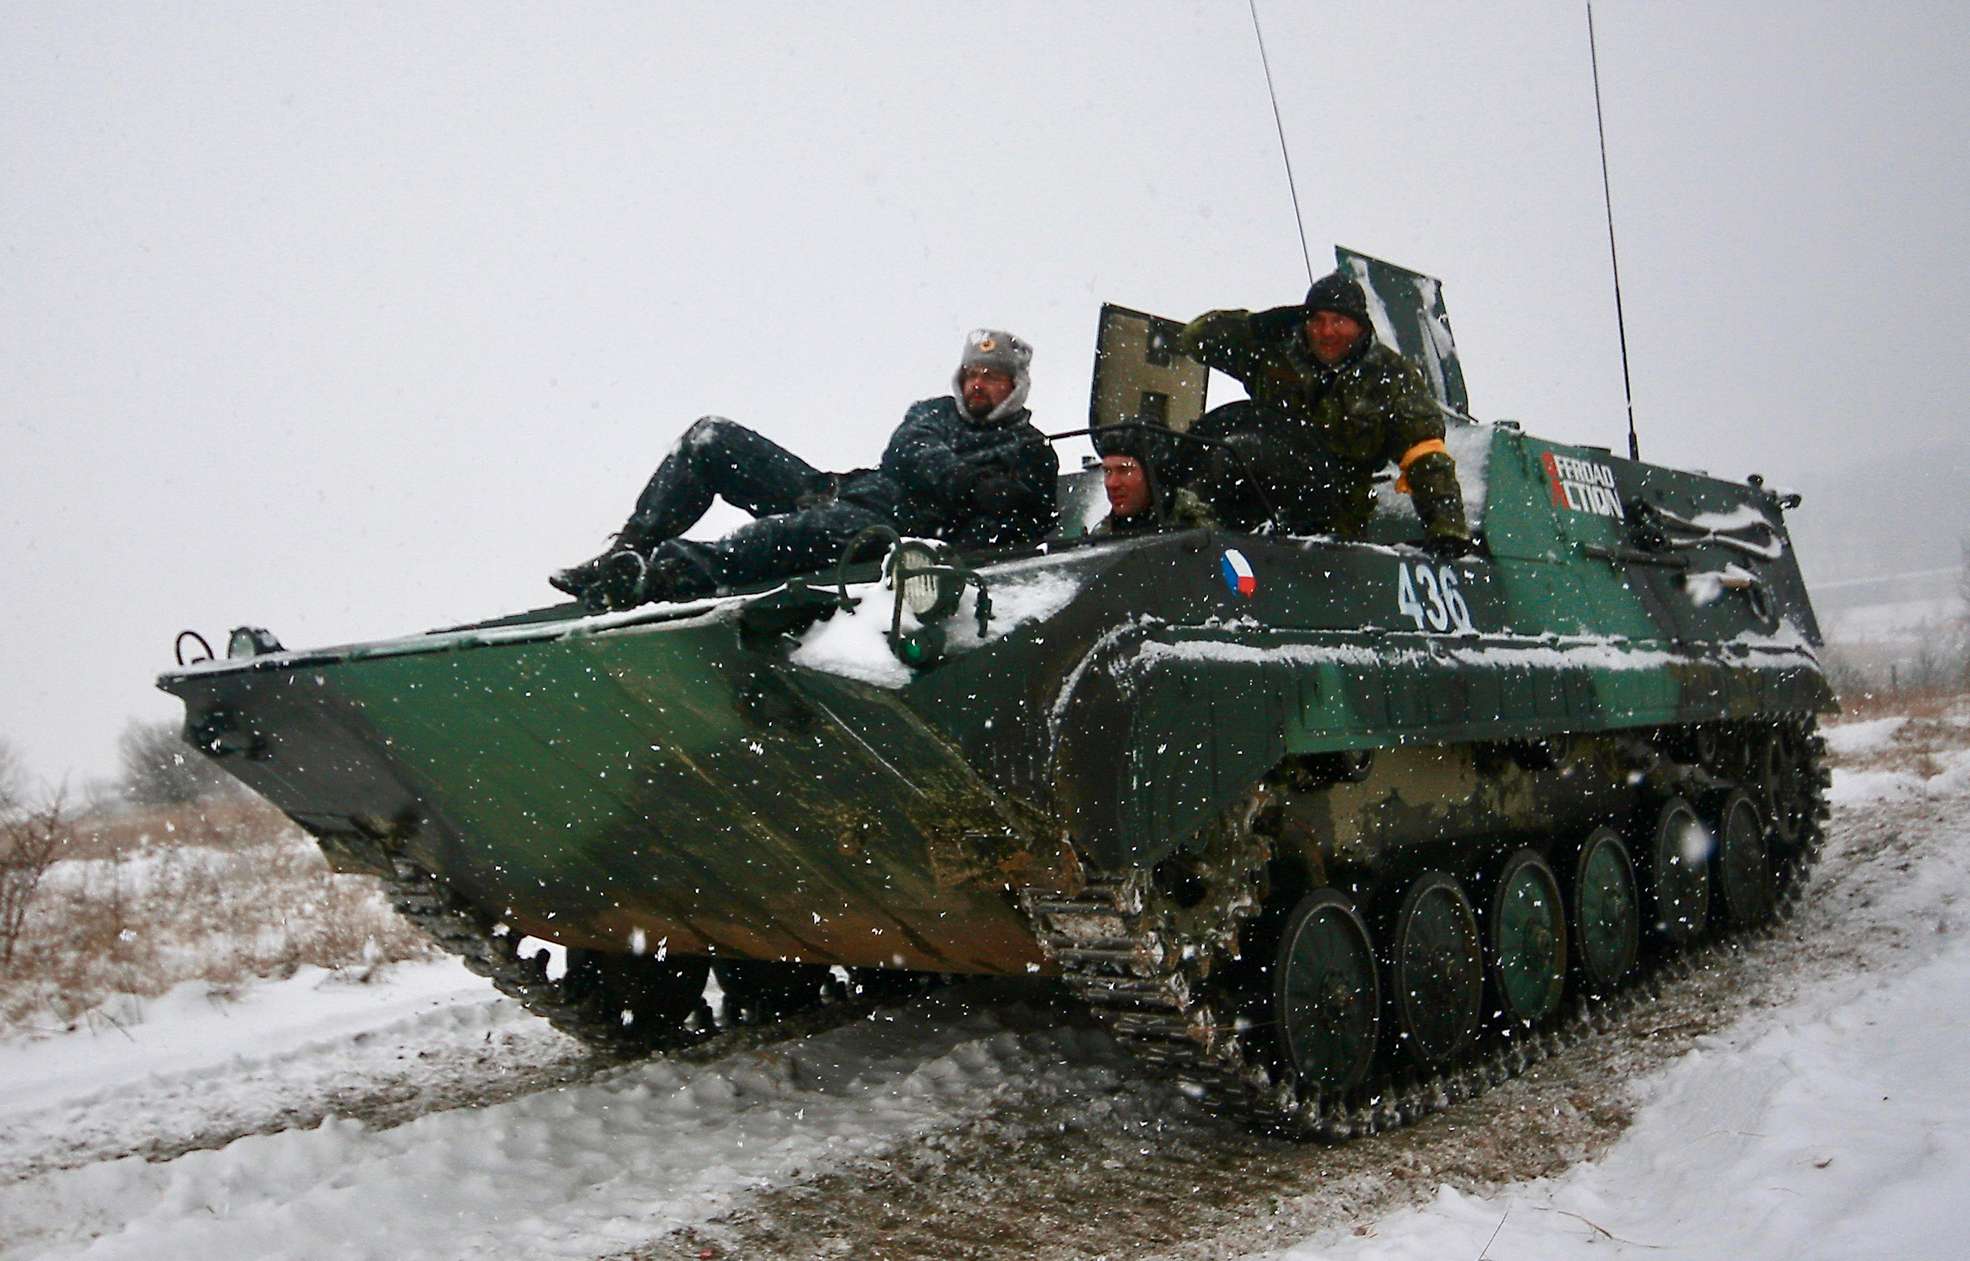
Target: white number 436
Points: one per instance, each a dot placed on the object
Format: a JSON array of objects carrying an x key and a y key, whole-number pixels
[{"x": 1441, "y": 606}]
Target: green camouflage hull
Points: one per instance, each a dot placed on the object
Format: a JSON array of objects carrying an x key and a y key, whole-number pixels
[{"x": 758, "y": 777}]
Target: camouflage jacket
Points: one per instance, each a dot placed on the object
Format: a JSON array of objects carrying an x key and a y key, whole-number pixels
[
  {"x": 1346, "y": 422},
  {"x": 970, "y": 483},
  {"x": 1180, "y": 510}
]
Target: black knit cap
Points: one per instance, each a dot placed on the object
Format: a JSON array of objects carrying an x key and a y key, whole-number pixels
[
  {"x": 1134, "y": 436},
  {"x": 1147, "y": 443},
  {"x": 1341, "y": 294}
]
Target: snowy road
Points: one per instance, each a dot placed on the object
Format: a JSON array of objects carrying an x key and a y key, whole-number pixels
[
  {"x": 1838, "y": 1127},
  {"x": 573, "y": 1171},
  {"x": 1800, "y": 1097}
]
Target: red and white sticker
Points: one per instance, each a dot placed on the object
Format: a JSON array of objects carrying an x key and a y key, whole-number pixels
[{"x": 1583, "y": 485}]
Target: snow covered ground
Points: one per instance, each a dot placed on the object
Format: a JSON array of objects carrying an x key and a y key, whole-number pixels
[
  {"x": 1837, "y": 1127},
  {"x": 421, "y": 1116},
  {"x": 575, "y": 1171}
]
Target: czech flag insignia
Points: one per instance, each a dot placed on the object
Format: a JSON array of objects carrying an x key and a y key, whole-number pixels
[{"x": 1237, "y": 571}]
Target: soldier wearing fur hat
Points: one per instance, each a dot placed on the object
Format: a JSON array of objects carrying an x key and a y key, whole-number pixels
[
  {"x": 967, "y": 467},
  {"x": 972, "y": 468},
  {"x": 1329, "y": 408}
]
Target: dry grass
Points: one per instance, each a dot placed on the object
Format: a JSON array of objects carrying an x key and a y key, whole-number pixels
[
  {"x": 229, "y": 822},
  {"x": 1930, "y": 722},
  {"x": 1929, "y": 703},
  {"x": 221, "y": 893}
]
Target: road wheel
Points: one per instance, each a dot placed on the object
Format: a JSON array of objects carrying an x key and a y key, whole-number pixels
[
  {"x": 1525, "y": 939},
  {"x": 1677, "y": 874},
  {"x": 1604, "y": 913},
  {"x": 888, "y": 985},
  {"x": 1746, "y": 890},
  {"x": 1327, "y": 998},
  {"x": 759, "y": 991},
  {"x": 1436, "y": 971},
  {"x": 648, "y": 998}
]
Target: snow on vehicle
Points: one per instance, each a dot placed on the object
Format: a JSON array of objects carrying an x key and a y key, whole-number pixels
[{"x": 1329, "y": 831}]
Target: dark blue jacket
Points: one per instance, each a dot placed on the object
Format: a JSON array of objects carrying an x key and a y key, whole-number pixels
[{"x": 971, "y": 483}]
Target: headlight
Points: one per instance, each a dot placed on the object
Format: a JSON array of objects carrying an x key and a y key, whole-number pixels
[
  {"x": 931, "y": 586},
  {"x": 926, "y": 585},
  {"x": 251, "y": 641}
]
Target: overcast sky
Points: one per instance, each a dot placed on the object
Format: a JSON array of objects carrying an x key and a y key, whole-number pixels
[{"x": 351, "y": 321}]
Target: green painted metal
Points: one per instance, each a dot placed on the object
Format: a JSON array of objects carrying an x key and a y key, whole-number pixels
[
  {"x": 1437, "y": 969},
  {"x": 1676, "y": 874},
  {"x": 1327, "y": 993},
  {"x": 1527, "y": 928},
  {"x": 1410, "y": 316},
  {"x": 1607, "y": 928},
  {"x": 699, "y": 780},
  {"x": 1746, "y": 894}
]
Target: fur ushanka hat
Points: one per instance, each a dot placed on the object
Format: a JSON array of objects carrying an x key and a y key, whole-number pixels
[{"x": 996, "y": 348}]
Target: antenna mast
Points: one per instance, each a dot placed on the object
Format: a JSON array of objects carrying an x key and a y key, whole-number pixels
[
  {"x": 1614, "y": 259},
  {"x": 1298, "y": 219}
]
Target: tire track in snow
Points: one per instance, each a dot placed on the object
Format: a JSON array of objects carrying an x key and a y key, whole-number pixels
[{"x": 571, "y": 1172}]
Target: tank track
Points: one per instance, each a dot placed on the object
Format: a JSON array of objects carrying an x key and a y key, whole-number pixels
[
  {"x": 1152, "y": 970},
  {"x": 462, "y": 929},
  {"x": 593, "y": 1016}
]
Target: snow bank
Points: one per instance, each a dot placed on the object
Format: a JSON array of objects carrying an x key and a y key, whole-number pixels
[
  {"x": 1858, "y": 787},
  {"x": 1841, "y": 1130},
  {"x": 1854, "y": 738},
  {"x": 190, "y": 1029},
  {"x": 588, "y": 1170}
]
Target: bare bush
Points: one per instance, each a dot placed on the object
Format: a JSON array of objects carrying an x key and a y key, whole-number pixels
[
  {"x": 160, "y": 769},
  {"x": 221, "y": 892},
  {"x": 13, "y": 778},
  {"x": 30, "y": 839},
  {"x": 1845, "y": 674}
]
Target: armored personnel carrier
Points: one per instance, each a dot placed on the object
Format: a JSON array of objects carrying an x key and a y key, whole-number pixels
[{"x": 1329, "y": 832}]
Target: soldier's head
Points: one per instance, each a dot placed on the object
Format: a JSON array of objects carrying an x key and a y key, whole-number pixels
[
  {"x": 992, "y": 380},
  {"x": 1336, "y": 318},
  {"x": 1126, "y": 483},
  {"x": 1129, "y": 453}
]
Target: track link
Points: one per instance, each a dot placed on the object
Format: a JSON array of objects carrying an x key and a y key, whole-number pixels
[
  {"x": 1152, "y": 969},
  {"x": 489, "y": 950},
  {"x": 593, "y": 1015}
]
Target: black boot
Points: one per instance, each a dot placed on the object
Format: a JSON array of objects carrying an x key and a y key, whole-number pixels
[
  {"x": 576, "y": 580},
  {"x": 662, "y": 578},
  {"x": 620, "y": 585}
]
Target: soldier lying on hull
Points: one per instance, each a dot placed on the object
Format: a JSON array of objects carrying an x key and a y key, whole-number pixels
[
  {"x": 1329, "y": 408},
  {"x": 967, "y": 467},
  {"x": 1133, "y": 466}
]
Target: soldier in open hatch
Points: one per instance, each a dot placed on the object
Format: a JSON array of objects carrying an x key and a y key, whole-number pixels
[
  {"x": 1330, "y": 407},
  {"x": 967, "y": 467},
  {"x": 1134, "y": 477}
]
